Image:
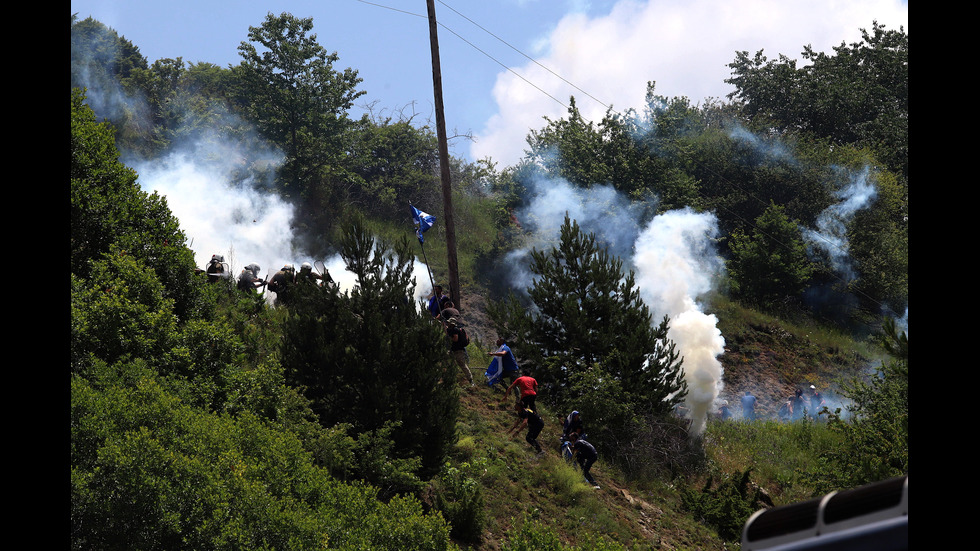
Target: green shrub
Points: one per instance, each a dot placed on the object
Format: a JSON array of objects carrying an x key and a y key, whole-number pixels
[
  {"x": 459, "y": 495},
  {"x": 726, "y": 506}
]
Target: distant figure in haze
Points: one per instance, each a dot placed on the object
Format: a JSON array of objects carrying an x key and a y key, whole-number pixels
[
  {"x": 748, "y": 406},
  {"x": 797, "y": 406},
  {"x": 586, "y": 455},
  {"x": 528, "y": 388},
  {"x": 724, "y": 412},
  {"x": 816, "y": 402},
  {"x": 249, "y": 280},
  {"x": 786, "y": 410},
  {"x": 532, "y": 420}
]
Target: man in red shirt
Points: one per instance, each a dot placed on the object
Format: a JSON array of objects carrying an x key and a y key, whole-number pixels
[{"x": 529, "y": 390}]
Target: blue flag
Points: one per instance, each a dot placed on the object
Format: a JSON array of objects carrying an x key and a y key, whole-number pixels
[
  {"x": 494, "y": 372},
  {"x": 423, "y": 222}
]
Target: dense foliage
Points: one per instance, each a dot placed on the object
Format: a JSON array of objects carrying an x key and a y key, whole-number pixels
[
  {"x": 876, "y": 434},
  {"x": 183, "y": 433},
  {"x": 771, "y": 263},
  {"x": 858, "y": 95},
  {"x": 370, "y": 356},
  {"x": 202, "y": 418}
]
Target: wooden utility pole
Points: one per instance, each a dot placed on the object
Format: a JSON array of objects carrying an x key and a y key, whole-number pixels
[{"x": 447, "y": 191}]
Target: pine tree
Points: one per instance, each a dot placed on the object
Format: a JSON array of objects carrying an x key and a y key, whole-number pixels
[
  {"x": 586, "y": 312},
  {"x": 369, "y": 357}
]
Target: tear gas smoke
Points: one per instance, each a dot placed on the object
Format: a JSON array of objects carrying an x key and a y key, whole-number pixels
[
  {"x": 675, "y": 264},
  {"x": 831, "y": 233},
  {"x": 774, "y": 150},
  {"x": 673, "y": 259},
  {"x": 236, "y": 220},
  {"x": 600, "y": 209}
]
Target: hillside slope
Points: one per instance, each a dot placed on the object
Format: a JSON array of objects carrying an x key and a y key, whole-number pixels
[{"x": 763, "y": 354}]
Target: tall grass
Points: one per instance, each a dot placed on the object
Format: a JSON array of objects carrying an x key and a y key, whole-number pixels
[{"x": 780, "y": 454}]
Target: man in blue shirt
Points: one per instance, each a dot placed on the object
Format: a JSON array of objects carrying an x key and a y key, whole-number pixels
[
  {"x": 509, "y": 368},
  {"x": 437, "y": 295}
]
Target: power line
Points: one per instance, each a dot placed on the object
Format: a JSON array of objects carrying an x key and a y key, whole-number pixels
[{"x": 733, "y": 185}]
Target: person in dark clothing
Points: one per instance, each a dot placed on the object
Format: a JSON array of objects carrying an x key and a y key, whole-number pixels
[
  {"x": 457, "y": 346},
  {"x": 816, "y": 402},
  {"x": 586, "y": 455},
  {"x": 797, "y": 406},
  {"x": 249, "y": 278},
  {"x": 573, "y": 423},
  {"x": 534, "y": 424}
]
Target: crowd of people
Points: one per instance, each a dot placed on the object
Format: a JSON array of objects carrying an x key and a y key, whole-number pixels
[
  {"x": 282, "y": 283},
  {"x": 796, "y": 407},
  {"x": 503, "y": 370},
  {"x": 505, "y": 373}
]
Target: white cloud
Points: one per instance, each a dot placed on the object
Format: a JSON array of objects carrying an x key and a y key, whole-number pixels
[{"x": 685, "y": 46}]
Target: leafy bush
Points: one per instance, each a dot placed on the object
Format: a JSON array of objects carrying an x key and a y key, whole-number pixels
[
  {"x": 149, "y": 472},
  {"x": 726, "y": 506},
  {"x": 459, "y": 495},
  {"x": 876, "y": 438}
]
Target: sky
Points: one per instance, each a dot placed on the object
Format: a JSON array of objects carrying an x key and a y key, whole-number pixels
[{"x": 507, "y": 64}]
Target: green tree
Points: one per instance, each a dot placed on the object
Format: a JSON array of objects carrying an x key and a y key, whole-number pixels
[
  {"x": 877, "y": 436},
  {"x": 586, "y": 312},
  {"x": 108, "y": 209},
  {"x": 369, "y": 356},
  {"x": 150, "y": 472},
  {"x": 772, "y": 263},
  {"x": 858, "y": 95},
  {"x": 291, "y": 91}
]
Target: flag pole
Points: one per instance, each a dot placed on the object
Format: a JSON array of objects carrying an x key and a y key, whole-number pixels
[{"x": 418, "y": 232}]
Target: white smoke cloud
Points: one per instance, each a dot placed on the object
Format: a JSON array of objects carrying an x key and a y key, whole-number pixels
[
  {"x": 600, "y": 209},
  {"x": 222, "y": 216},
  {"x": 685, "y": 46},
  {"x": 675, "y": 265},
  {"x": 674, "y": 260},
  {"x": 219, "y": 216}
]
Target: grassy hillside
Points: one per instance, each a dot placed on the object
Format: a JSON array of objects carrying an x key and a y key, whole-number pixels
[{"x": 541, "y": 499}]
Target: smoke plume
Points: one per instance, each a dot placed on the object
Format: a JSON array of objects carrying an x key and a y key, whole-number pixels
[
  {"x": 831, "y": 233},
  {"x": 600, "y": 210},
  {"x": 676, "y": 264}
]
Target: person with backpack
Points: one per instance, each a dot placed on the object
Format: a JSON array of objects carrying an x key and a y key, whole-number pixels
[
  {"x": 532, "y": 420},
  {"x": 457, "y": 346}
]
